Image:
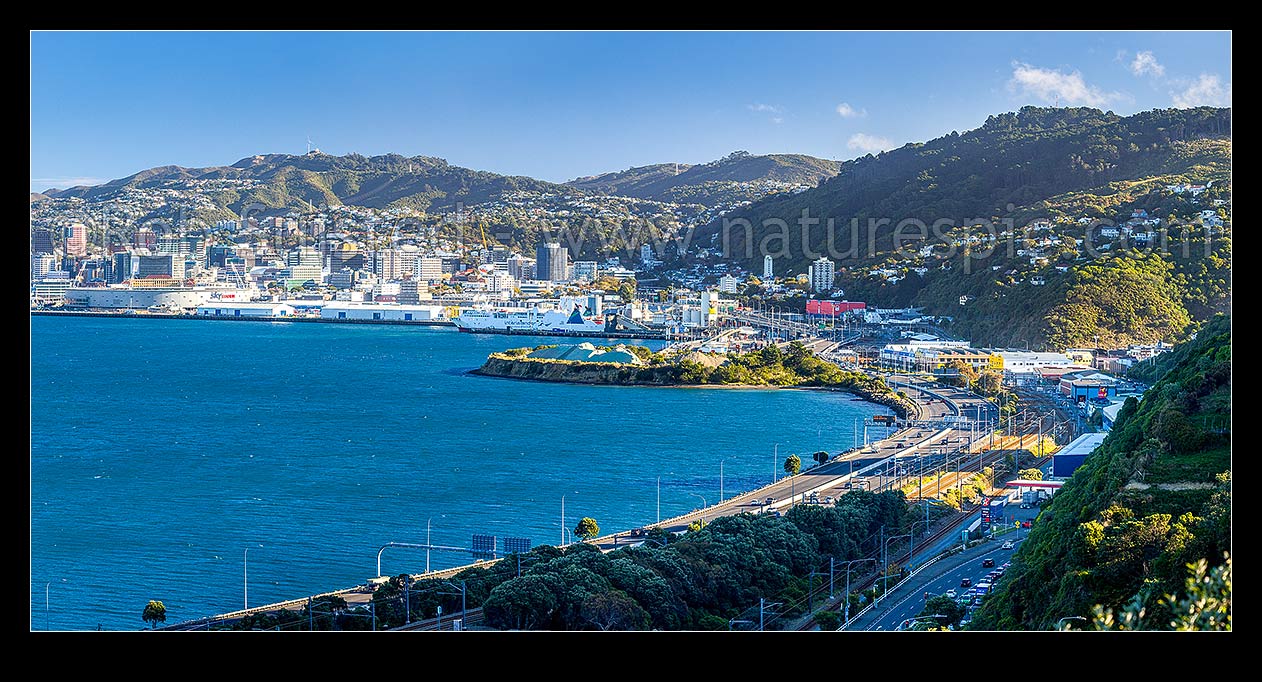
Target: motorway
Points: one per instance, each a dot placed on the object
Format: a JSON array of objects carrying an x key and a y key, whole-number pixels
[
  {"x": 879, "y": 466},
  {"x": 908, "y": 599}
]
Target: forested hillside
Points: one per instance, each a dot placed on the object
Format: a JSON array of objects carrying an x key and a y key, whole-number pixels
[
  {"x": 1070, "y": 172},
  {"x": 1153, "y": 498},
  {"x": 1018, "y": 158}
]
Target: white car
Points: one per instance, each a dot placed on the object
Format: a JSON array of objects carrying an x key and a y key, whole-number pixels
[
  {"x": 1006, "y": 545},
  {"x": 950, "y": 593}
]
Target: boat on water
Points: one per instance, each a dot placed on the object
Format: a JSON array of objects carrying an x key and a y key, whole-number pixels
[{"x": 529, "y": 320}]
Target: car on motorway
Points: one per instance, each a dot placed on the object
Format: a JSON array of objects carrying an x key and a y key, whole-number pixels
[
  {"x": 1025, "y": 505},
  {"x": 966, "y": 582},
  {"x": 769, "y": 500},
  {"x": 1026, "y": 524},
  {"x": 988, "y": 563},
  {"x": 1006, "y": 545}
]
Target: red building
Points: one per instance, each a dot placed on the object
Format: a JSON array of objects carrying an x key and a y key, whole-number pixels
[{"x": 833, "y": 308}]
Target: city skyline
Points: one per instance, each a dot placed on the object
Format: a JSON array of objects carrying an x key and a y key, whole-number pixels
[{"x": 522, "y": 104}]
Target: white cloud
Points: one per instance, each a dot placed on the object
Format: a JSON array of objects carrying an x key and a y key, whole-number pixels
[
  {"x": 1207, "y": 90},
  {"x": 1053, "y": 86},
  {"x": 1145, "y": 63},
  {"x": 848, "y": 111},
  {"x": 868, "y": 144},
  {"x": 64, "y": 182},
  {"x": 777, "y": 119},
  {"x": 769, "y": 108}
]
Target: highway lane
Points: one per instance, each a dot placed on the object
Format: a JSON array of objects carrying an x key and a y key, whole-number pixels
[
  {"x": 909, "y": 600},
  {"x": 833, "y": 478}
]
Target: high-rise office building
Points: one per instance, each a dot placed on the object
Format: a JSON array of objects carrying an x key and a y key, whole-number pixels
[
  {"x": 303, "y": 265},
  {"x": 410, "y": 291},
  {"x": 585, "y": 270},
  {"x": 393, "y": 264},
  {"x": 145, "y": 238},
  {"x": 42, "y": 264},
  {"x": 161, "y": 265},
  {"x": 168, "y": 243},
  {"x": 303, "y": 255},
  {"x": 42, "y": 241},
  {"x": 346, "y": 256},
  {"x": 344, "y": 278},
  {"x": 429, "y": 269},
  {"x": 551, "y": 261},
  {"x": 124, "y": 267},
  {"x": 728, "y": 284},
  {"x": 76, "y": 240},
  {"x": 516, "y": 266},
  {"x": 194, "y": 245},
  {"x": 768, "y": 273}
]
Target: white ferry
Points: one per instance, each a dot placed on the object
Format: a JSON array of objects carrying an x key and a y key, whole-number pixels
[{"x": 529, "y": 320}]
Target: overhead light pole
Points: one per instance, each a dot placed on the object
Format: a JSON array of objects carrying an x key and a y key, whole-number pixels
[
  {"x": 885, "y": 574},
  {"x": 848, "y": 565}
]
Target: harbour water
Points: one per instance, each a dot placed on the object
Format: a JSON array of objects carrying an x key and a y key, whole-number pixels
[{"x": 162, "y": 449}]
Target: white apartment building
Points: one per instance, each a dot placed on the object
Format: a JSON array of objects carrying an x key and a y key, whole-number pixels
[{"x": 821, "y": 275}]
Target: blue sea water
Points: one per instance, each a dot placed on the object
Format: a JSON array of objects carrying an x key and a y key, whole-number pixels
[{"x": 162, "y": 449}]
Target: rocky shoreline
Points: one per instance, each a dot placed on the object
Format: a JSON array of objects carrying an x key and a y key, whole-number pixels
[{"x": 611, "y": 374}]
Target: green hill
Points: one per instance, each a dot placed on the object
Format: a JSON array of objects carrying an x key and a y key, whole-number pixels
[
  {"x": 1061, "y": 165},
  {"x": 730, "y": 179},
  {"x": 1153, "y": 498},
  {"x": 288, "y": 181},
  {"x": 1020, "y": 158}
]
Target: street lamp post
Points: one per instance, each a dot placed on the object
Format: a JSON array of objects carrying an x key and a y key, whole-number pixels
[
  {"x": 848, "y": 565},
  {"x": 46, "y": 606},
  {"x": 246, "y": 577},
  {"x": 885, "y": 574},
  {"x": 704, "y": 504},
  {"x": 731, "y": 621},
  {"x": 428, "y": 541},
  {"x": 911, "y": 553}
]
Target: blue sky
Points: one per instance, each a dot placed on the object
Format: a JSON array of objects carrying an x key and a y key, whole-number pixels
[{"x": 560, "y": 105}]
